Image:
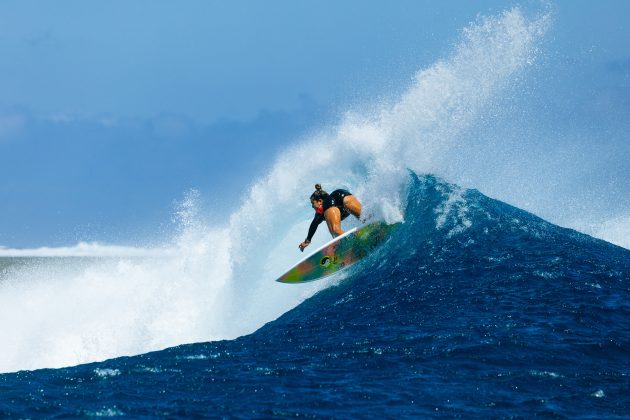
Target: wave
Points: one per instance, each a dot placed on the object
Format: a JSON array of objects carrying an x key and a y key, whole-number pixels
[
  {"x": 473, "y": 308},
  {"x": 218, "y": 282}
]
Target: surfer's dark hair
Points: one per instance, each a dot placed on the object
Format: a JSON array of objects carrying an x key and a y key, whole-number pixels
[{"x": 319, "y": 194}]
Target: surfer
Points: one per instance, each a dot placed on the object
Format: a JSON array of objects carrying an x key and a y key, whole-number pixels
[{"x": 333, "y": 208}]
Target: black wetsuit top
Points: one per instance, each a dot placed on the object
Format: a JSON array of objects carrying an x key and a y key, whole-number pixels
[{"x": 334, "y": 199}]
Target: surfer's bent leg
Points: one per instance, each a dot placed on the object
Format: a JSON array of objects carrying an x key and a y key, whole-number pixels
[
  {"x": 333, "y": 220},
  {"x": 353, "y": 205}
]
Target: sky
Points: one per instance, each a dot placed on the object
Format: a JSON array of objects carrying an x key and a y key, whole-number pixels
[{"x": 111, "y": 111}]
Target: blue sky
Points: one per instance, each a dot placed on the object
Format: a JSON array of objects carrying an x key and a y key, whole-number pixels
[{"x": 111, "y": 110}]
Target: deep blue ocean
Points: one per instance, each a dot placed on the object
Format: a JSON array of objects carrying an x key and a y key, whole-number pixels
[{"x": 473, "y": 309}]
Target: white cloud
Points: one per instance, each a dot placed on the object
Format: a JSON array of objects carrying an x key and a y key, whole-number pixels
[{"x": 85, "y": 249}]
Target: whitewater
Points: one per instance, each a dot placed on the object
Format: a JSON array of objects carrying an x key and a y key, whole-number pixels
[{"x": 63, "y": 307}]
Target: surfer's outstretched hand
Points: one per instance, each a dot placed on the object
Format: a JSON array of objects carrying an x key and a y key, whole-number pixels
[{"x": 303, "y": 245}]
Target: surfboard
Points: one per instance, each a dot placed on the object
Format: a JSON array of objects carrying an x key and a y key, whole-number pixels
[{"x": 338, "y": 254}]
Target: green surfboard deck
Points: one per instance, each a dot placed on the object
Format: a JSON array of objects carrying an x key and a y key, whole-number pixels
[{"x": 338, "y": 254}]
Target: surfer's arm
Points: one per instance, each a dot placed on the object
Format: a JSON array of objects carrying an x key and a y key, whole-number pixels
[{"x": 311, "y": 230}]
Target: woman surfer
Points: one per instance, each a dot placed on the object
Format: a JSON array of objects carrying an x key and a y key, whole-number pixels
[{"x": 333, "y": 208}]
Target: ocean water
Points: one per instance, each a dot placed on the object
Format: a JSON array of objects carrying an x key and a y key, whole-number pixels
[{"x": 474, "y": 308}]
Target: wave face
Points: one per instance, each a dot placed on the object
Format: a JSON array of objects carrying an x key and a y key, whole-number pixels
[{"x": 473, "y": 308}]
